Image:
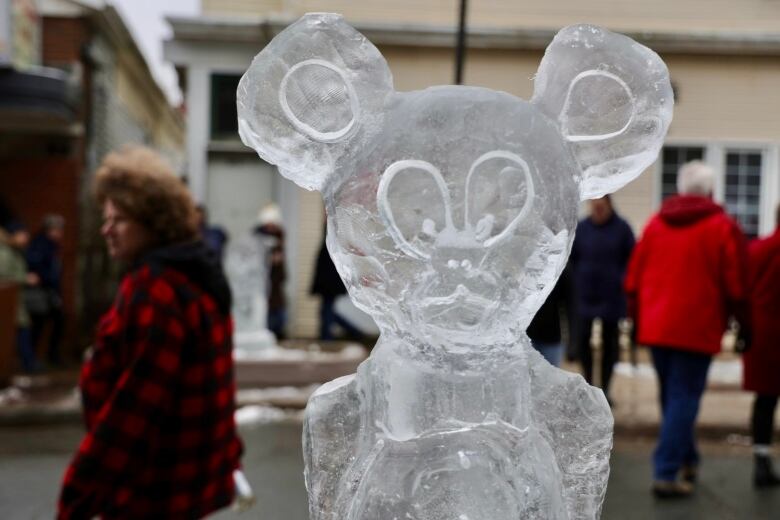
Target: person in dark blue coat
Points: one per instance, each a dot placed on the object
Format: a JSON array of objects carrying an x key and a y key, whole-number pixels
[
  {"x": 214, "y": 237},
  {"x": 44, "y": 259},
  {"x": 600, "y": 254}
]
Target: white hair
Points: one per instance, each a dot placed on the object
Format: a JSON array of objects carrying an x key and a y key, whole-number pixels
[
  {"x": 695, "y": 178},
  {"x": 270, "y": 214}
]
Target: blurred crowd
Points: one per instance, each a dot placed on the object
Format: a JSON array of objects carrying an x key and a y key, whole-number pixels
[
  {"x": 35, "y": 264},
  {"x": 691, "y": 277}
]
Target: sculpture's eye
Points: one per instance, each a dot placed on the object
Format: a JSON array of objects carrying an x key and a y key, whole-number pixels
[
  {"x": 319, "y": 100},
  {"x": 415, "y": 205},
  {"x": 599, "y": 105},
  {"x": 499, "y": 193}
]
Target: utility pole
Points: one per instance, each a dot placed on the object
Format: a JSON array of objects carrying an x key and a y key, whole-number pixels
[{"x": 460, "y": 48}]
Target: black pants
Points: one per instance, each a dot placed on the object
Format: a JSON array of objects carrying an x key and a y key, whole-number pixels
[
  {"x": 763, "y": 418},
  {"x": 610, "y": 350},
  {"x": 57, "y": 319},
  {"x": 329, "y": 317}
]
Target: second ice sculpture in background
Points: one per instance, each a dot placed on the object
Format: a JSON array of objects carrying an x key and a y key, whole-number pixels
[
  {"x": 451, "y": 213},
  {"x": 245, "y": 262}
]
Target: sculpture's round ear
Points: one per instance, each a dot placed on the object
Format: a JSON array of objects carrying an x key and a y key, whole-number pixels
[
  {"x": 612, "y": 99},
  {"x": 314, "y": 93}
]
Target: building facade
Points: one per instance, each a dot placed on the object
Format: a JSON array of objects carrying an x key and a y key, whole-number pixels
[
  {"x": 105, "y": 97},
  {"x": 724, "y": 60}
]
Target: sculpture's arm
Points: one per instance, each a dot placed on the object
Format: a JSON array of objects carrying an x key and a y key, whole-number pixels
[
  {"x": 330, "y": 430},
  {"x": 575, "y": 419}
]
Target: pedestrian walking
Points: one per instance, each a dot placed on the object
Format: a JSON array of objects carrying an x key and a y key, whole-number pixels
[
  {"x": 600, "y": 253},
  {"x": 158, "y": 390},
  {"x": 13, "y": 268},
  {"x": 271, "y": 231},
  {"x": 328, "y": 285},
  {"x": 762, "y": 358},
  {"x": 686, "y": 277},
  {"x": 44, "y": 300}
]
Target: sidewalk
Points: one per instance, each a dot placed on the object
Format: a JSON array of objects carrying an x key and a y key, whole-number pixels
[
  {"x": 725, "y": 408},
  {"x": 51, "y": 397}
]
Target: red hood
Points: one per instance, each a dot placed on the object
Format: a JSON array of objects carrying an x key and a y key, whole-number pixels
[{"x": 682, "y": 210}]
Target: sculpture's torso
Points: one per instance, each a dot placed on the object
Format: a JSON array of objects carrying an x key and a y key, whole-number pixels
[{"x": 419, "y": 442}]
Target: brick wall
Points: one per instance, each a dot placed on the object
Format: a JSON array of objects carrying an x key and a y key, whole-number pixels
[
  {"x": 63, "y": 39},
  {"x": 63, "y": 43}
]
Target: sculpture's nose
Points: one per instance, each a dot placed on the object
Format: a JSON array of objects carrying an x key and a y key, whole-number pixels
[
  {"x": 461, "y": 259},
  {"x": 462, "y": 264}
]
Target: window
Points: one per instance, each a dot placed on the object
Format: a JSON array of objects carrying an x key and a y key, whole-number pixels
[
  {"x": 673, "y": 158},
  {"x": 224, "y": 118},
  {"x": 743, "y": 188}
]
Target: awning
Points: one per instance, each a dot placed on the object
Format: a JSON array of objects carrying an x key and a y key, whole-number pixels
[{"x": 41, "y": 100}]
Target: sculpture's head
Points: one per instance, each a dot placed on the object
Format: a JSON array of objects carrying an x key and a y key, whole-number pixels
[{"x": 451, "y": 210}]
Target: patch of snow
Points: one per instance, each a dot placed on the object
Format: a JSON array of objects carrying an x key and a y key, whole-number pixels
[{"x": 259, "y": 414}]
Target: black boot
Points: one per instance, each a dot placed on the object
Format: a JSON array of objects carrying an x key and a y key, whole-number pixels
[
  {"x": 672, "y": 489},
  {"x": 763, "y": 476},
  {"x": 688, "y": 473}
]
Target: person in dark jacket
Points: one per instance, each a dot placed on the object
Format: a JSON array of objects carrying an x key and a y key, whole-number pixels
[
  {"x": 688, "y": 273},
  {"x": 762, "y": 358},
  {"x": 545, "y": 329},
  {"x": 328, "y": 285},
  {"x": 270, "y": 230},
  {"x": 44, "y": 259},
  {"x": 214, "y": 237},
  {"x": 158, "y": 390},
  {"x": 600, "y": 253}
]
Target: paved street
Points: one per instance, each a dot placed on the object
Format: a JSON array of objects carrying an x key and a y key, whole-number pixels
[
  {"x": 724, "y": 491},
  {"x": 33, "y": 458}
]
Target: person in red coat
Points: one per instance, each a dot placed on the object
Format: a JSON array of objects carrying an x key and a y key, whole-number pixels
[
  {"x": 158, "y": 390},
  {"x": 762, "y": 359},
  {"x": 686, "y": 276}
]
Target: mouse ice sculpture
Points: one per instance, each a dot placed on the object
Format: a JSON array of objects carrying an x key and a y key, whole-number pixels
[{"x": 451, "y": 213}]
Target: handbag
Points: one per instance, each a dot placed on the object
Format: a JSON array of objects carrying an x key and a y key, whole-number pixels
[{"x": 36, "y": 299}]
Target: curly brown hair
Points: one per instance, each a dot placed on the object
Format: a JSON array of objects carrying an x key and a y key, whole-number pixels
[{"x": 143, "y": 185}]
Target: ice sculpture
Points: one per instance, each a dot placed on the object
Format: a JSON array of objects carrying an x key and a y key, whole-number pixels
[
  {"x": 451, "y": 213},
  {"x": 246, "y": 273}
]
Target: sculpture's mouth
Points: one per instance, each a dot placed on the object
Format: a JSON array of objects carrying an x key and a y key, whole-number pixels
[{"x": 462, "y": 310}]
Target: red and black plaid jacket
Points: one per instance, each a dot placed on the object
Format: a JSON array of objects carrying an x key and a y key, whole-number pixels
[{"x": 158, "y": 397}]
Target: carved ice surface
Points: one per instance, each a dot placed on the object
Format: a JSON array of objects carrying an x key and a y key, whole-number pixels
[{"x": 451, "y": 213}]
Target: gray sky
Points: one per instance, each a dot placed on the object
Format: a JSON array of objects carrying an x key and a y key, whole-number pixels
[{"x": 146, "y": 20}]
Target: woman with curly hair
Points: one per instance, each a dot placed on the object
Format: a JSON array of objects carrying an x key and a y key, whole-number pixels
[{"x": 158, "y": 390}]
